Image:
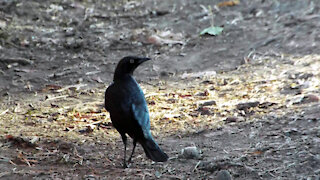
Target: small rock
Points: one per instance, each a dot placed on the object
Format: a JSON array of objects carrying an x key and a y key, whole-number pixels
[
  {"x": 295, "y": 100},
  {"x": 34, "y": 140},
  {"x": 231, "y": 119},
  {"x": 246, "y": 106},
  {"x": 305, "y": 99},
  {"x": 300, "y": 76},
  {"x": 70, "y": 32},
  {"x": 204, "y": 111},
  {"x": 292, "y": 131},
  {"x": 88, "y": 129},
  {"x": 3, "y": 24},
  {"x": 157, "y": 174},
  {"x": 310, "y": 98},
  {"x": 207, "y": 103},
  {"x": 210, "y": 166},
  {"x": 207, "y": 82},
  {"x": 171, "y": 100},
  {"x": 73, "y": 43},
  {"x": 65, "y": 146},
  {"x": 293, "y": 88},
  {"x": 223, "y": 175},
  {"x": 190, "y": 153},
  {"x": 204, "y": 93},
  {"x": 265, "y": 105}
]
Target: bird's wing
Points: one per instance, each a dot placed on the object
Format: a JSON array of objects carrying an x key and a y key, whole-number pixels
[
  {"x": 107, "y": 100},
  {"x": 141, "y": 115}
]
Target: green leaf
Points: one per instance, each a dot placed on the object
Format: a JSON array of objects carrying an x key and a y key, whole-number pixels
[{"x": 212, "y": 30}]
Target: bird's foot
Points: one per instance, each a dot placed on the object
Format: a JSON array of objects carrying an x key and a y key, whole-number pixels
[{"x": 125, "y": 166}]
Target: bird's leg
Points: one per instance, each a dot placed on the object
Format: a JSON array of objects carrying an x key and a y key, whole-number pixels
[
  {"x": 124, "y": 139},
  {"x": 134, "y": 146}
]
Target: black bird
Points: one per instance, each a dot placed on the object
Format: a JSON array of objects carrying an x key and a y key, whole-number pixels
[{"x": 128, "y": 110}]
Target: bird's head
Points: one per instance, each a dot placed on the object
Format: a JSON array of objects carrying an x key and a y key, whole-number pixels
[{"x": 127, "y": 65}]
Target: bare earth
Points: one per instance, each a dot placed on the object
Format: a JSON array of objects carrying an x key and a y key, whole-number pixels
[{"x": 248, "y": 99}]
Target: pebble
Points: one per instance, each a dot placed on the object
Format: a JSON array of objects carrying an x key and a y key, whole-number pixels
[
  {"x": 223, "y": 175},
  {"x": 231, "y": 119},
  {"x": 305, "y": 99},
  {"x": 207, "y": 103},
  {"x": 245, "y": 106},
  {"x": 310, "y": 98},
  {"x": 191, "y": 152},
  {"x": 3, "y": 24}
]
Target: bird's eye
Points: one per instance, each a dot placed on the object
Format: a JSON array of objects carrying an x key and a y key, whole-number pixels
[{"x": 131, "y": 61}]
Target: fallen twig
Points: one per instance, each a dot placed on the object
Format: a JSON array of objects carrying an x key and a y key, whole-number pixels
[
  {"x": 196, "y": 166},
  {"x": 77, "y": 86},
  {"x": 4, "y": 112},
  {"x": 56, "y": 97},
  {"x": 22, "y": 61},
  {"x": 4, "y": 159},
  {"x": 2, "y": 174}
]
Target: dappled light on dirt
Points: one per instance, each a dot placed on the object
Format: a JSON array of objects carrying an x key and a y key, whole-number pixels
[{"x": 266, "y": 85}]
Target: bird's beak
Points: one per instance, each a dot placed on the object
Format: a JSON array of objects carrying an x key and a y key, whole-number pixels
[{"x": 144, "y": 59}]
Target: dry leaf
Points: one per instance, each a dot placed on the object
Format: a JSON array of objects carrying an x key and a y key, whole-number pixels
[{"x": 228, "y": 3}]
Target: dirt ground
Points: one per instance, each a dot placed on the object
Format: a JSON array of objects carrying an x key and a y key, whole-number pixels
[{"x": 260, "y": 79}]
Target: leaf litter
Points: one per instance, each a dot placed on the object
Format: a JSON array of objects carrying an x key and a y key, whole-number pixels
[
  {"x": 249, "y": 93},
  {"x": 177, "y": 108}
]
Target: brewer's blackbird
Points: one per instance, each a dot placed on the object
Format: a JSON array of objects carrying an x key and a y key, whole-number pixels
[{"x": 128, "y": 110}]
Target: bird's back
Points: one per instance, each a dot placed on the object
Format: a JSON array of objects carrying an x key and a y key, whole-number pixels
[{"x": 127, "y": 106}]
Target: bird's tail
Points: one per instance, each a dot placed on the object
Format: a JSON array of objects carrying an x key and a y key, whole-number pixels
[{"x": 153, "y": 151}]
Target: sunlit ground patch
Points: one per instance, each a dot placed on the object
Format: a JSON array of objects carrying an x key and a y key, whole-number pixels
[{"x": 265, "y": 85}]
